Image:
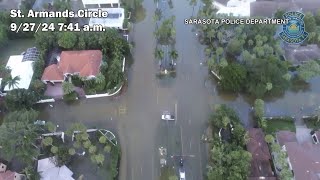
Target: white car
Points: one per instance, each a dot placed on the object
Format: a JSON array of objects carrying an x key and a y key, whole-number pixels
[
  {"x": 167, "y": 116},
  {"x": 182, "y": 174}
]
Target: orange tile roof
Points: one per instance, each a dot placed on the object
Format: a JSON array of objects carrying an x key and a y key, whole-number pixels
[
  {"x": 52, "y": 72},
  {"x": 85, "y": 62}
]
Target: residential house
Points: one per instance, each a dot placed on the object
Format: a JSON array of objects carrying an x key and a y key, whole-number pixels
[
  {"x": 9, "y": 175},
  {"x": 94, "y": 4},
  {"x": 261, "y": 157},
  {"x": 263, "y": 8},
  {"x": 115, "y": 18},
  {"x": 303, "y": 159},
  {"x": 22, "y": 66},
  {"x": 48, "y": 169},
  {"x": 85, "y": 63},
  {"x": 298, "y": 55},
  {"x": 116, "y": 14},
  {"x": 237, "y": 8},
  {"x": 267, "y": 8}
]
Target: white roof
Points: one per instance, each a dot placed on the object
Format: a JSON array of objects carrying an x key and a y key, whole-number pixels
[
  {"x": 110, "y": 21},
  {"x": 99, "y": 1},
  {"x": 182, "y": 175},
  {"x": 235, "y": 8},
  {"x": 22, "y": 69},
  {"x": 49, "y": 171}
]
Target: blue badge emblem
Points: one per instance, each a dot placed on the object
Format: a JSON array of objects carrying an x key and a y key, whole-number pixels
[{"x": 293, "y": 32}]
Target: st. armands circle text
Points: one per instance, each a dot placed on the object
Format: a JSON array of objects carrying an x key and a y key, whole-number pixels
[{"x": 82, "y": 13}]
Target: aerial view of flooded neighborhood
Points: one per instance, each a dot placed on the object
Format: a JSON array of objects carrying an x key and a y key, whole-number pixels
[{"x": 159, "y": 90}]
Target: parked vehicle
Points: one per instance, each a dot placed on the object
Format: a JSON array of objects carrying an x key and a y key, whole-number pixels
[{"x": 166, "y": 116}]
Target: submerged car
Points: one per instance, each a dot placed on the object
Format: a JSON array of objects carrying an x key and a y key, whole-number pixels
[
  {"x": 182, "y": 173},
  {"x": 167, "y": 116}
]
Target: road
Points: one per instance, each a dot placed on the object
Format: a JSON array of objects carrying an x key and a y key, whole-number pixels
[{"x": 135, "y": 115}]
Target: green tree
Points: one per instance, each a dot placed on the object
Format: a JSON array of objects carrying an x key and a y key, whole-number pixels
[
  {"x": 54, "y": 149},
  {"x": 107, "y": 149},
  {"x": 100, "y": 82},
  {"x": 72, "y": 151},
  {"x": 193, "y": 3},
  {"x": 269, "y": 138},
  {"x": 310, "y": 22},
  {"x": 67, "y": 39},
  {"x": 234, "y": 47},
  {"x": 233, "y": 77},
  {"x": 158, "y": 54},
  {"x": 263, "y": 71},
  {"x": 18, "y": 99},
  {"x": 259, "y": 108},
  {"x": 166, "y": 32},
  {"x": 308, "y": 70},
  {"x": 18, "y": 134},
  {"x": 102, "y": 139},
  {"x": 13, "y": 82},
  {"x": 174, "y": 54},
  {"x": 67, "y": 88},
  {"x": 47, "y": 141}
]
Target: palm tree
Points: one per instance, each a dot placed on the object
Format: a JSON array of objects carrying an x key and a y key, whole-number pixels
[
  {"x": 174, "y": 54},
  {"x": 67, "y": 87},
  {"x": 158, "y": 54},
  {"x": 13, "y": 82},
  {"x": 100, "y": 78},
  {"x": 193, "y": 3}
]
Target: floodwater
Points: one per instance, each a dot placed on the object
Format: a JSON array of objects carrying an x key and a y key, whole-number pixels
[
  {"x": 15, "y": 47},
  {"x": 135, "y": 114}
]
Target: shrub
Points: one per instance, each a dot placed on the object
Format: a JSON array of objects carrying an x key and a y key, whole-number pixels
[
  {"x": 70, "y": 97},
  {"x": 76, "y": 81},
  {"x": 38, "y": 87}
]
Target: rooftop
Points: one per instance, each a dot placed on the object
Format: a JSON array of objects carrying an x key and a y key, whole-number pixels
[
  {"x": 85, "y": 62},
  {"x": 268, "y": 8},
  {"x": 300, "y": 54},
  {"x": 115, "y": 18},
  {"x": 257, "y": 146},
  {"x": 285, "y": 136},
  {"x": 304, "y": 159},
  {"x": 22, "y": 69}
]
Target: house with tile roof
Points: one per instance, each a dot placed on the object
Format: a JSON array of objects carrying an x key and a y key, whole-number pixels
[
  {"x": 303, "y": 158},
  {"x": 261, "y": 157},
  {"x": 85, "y": 63}
]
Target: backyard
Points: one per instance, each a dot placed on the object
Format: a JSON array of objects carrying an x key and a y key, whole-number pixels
[{"x": 278, "y": 124}]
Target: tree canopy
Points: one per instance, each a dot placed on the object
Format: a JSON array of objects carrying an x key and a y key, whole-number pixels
[
  {"x": 17, "y": 135},
  {"x": 18, "y": 99},
  {"x": 233, "y": 77},
  {"x": 308, "y": 70},
  {"x": 228, "y": 159}
]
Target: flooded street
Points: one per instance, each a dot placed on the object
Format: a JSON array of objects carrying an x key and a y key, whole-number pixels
[{"x": 135, "y": 116}]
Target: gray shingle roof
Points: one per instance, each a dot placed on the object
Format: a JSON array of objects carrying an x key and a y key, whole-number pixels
[{"x": 268, "y": 8}]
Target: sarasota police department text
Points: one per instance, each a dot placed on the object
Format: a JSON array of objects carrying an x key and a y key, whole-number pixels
[
  {"x": 236, "y": 21},
  {"x": 82, "y": 13}
]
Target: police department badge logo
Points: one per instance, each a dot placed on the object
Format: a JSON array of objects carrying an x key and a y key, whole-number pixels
[{"x": 294, "y": 31}]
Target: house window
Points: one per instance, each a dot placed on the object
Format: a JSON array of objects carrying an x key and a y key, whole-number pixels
[{"x": 115, "y": 5}]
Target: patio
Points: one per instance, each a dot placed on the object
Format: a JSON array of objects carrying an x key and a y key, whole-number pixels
[{"x": 55, "y": 91}]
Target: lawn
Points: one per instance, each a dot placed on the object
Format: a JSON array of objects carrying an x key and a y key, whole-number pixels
[
  {"x": 15, "y": 47},
  {"x": 277, "y": 124}
]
